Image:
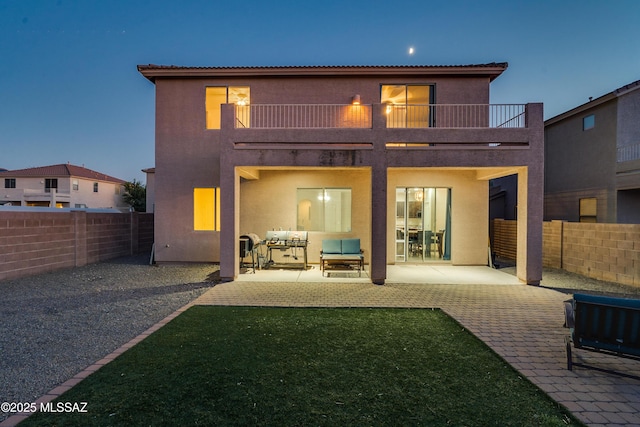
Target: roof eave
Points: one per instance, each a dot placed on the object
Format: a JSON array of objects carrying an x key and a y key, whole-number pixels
[
  {"x": 594, "y": 103},
  {"x": 152, "y": 72}
]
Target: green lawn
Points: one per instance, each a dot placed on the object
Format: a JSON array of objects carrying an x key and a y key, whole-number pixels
[{"x": 219, "y": 366}]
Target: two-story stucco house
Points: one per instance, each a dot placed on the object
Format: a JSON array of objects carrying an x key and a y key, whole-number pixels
[
  {"x": 61, "y": 186},
  {"x": 592, "y": 154},
  {"x": 397, "y": 156}
]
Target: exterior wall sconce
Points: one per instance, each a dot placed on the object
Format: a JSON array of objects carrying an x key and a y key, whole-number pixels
[{"x": 355, "y": 100}]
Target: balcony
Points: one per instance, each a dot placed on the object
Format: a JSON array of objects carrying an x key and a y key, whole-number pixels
[
  {"x": 45, "y": 194},
  {"x": 628, "y": 153},
  {"x": 433, "y": 127},
  {"x": 332, "y": 116}
]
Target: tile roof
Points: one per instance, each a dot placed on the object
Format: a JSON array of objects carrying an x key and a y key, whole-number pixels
[
  {"x": 61, "y": 170},
  {"x": 594, "y": 102},
  {"x": 151, "y": 71}
]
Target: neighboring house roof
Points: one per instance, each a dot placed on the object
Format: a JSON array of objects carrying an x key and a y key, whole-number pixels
[
  {"x": 149, "y": 170},
  {"x": 61, "y": 170},
  {"x": 492, "y": 70},
  {"x": 594, "y": 102}
]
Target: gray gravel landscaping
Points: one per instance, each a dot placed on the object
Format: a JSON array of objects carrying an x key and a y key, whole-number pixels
[{"x": 54, "y": 325}]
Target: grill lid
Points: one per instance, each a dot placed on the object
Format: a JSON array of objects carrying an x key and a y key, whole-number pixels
[{"x": 281, "y": 236}]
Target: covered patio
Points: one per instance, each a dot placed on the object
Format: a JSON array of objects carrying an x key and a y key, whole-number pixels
[{"x": 399, "y": 273}]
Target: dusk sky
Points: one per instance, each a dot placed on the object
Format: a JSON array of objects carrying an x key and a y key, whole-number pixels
[{"x": 70, "y": 90}]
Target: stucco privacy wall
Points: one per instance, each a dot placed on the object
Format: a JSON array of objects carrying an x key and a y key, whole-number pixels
[
  {"x": 38, "y": 242},
  {"x": 609, "y": 252}
]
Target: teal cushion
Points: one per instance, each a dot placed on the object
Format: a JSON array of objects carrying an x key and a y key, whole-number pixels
[
  {"x": 331, "y": 246},
  {"x": 350, "y": 246},
  {"x": 605, "y": 300}
]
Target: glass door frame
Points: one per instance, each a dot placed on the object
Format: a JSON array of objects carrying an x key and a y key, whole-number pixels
[{"x": 422, "y": 224}]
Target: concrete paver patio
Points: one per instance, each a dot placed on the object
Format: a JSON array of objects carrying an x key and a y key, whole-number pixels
[{"x": 523, "y": 324}]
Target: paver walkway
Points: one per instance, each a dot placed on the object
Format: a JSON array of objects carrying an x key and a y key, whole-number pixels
[{"x": 523, "y": 324}]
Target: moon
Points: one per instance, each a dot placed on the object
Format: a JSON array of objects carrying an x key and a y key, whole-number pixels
[{"x": 411, "y": 50}]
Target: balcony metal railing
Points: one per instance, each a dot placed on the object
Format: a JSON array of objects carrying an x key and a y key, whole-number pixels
[
  {"x": 628, "y": 153},
  {"x": 307, "y": 116},
  {"x": 323, "y": 116},
  {"x": 44, "y": 192},
  {"x": 479, "y": 116}
]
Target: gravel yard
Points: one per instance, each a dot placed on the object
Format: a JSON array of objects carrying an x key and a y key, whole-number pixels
[
  {"x": 570, "y": 283},
  {"x": 54, "y": 325}
]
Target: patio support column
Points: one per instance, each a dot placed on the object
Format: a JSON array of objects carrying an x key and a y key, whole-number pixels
[
  {"x": 530, "y": 203},
  {"x": 229, "y": 201},
  {"x": 378, "y": 267}
]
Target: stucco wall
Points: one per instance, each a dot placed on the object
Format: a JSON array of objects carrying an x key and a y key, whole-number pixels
[
  {"x": 187, "y": 157},
  {"x": 270, "y": 203},
  {"x": 188, "y": 154},
  {"x": 27, "y": 188},
  {"x": 628, "y": 125},
  {"x": 38, "y": 242},
  {"x": 565, "y": 206},
  {"x": 581, "y": 163}
]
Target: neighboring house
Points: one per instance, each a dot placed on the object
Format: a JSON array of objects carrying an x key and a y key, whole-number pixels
[
  {"x": 151, "y": 188},
  {"x": 592, "y": 160},
  {"x": 398, "y": 156},
  {"x": 503, "y": 198},
  {"x": 61, "y": 186}
]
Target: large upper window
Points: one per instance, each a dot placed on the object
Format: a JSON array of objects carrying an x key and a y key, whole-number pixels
[
  {"x": 217, "y": 95},
  {"x": 324, "y": 209},
  {"x": 407, "y": 106},
  {"x": 206, "y": 209},
  {"x": 9, "y": 183}
]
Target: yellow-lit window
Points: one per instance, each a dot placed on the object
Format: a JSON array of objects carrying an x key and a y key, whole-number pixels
[
  {"x": 206, "y": 209},
  {"x": 589, "y": 209},
  {"x": 215, "y": 96},
  {"x": 408, "y": 106}
]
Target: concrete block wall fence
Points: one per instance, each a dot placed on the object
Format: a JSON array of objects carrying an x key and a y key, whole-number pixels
[
  {"x": 609, "y": 252},
  {"x": 39, "y": 242}
]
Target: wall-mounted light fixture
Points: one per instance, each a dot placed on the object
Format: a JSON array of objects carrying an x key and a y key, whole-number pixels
[{"x": 355, "y": 100}]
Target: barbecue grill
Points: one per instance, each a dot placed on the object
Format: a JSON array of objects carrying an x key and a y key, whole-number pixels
[
  {"x": 249, "y": 244},
  {"x": 287, "y": 240}
]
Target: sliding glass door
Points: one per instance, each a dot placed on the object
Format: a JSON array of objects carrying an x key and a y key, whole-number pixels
[
  {"x": 407, "y": 106},
  {"x": 423, "y": 224}
]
